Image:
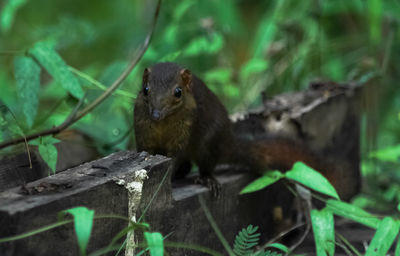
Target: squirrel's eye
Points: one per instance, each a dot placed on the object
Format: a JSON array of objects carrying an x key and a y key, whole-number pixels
[
  {"x": 146, "y": 91},
  {"x": 178, "y": 92}
]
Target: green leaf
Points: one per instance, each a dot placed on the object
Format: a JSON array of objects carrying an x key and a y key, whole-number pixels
[
  {"x": 27, "y": 75},
  {"x": 83, "y": 223},
  {"x": 311, "y": 178},
  {"x": 44, "y": 140},
  {"x": 182, "y": 8},
  {"x": 171, "y": 56},
  {"x": 55, "y": 65},
  {"x": 219, "y": 75},
  {"x": 387, "y": 231},
  {"x": 155, "y": 243},
  {"x": 352, "y": 212},
  {"x": 47, "y": 150},
  {"x": 334, "y": 69},
  {"x": 49, "y": 154},
  {"x": 267, "y": 29},
  {"x": 204, "y": 45},
  {"x": 324, "y": 231},
  {"x": 8, "y": 124},
  {"x": 397, "y": 250},
  {"x": 255, "y": 65},
  {"x": 279, "y": 246},
  {"x": 8, "y": 12},
  {"x": 389, "y": 154},
  {"x": 231, "y": 91},
  {"x": 262, "y": 182},
  {"x": 375, "y": 11}
]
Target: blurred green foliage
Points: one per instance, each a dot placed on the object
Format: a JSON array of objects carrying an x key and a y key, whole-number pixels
[{"x": 239, "y": 48}]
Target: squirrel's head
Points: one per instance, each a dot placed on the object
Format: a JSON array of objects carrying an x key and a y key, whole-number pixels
[{"x": 166, "y": 89}]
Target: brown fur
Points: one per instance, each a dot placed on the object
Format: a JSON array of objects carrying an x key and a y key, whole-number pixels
[{"x": 195, "y": 128}]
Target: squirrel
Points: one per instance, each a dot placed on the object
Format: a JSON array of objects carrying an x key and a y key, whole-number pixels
[{"x": 177, "y": 115}]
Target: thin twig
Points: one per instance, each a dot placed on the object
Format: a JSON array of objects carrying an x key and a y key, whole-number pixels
[
  {"x": 76, "y": 117},
  {"x": 215, "y": 226},
  {"x": 347, "y": 244},
  {"x": 29, "y": 153},
  {"x": 301, "y": 240},
  {"x": 305, "y": 200},
  {"x": 98, "y": 84},
  {"x": 282, "y": 234},
  {"x": 72, "y": 115}
]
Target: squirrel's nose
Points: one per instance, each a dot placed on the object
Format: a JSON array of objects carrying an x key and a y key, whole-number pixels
[{"x": 156, "y": 115}]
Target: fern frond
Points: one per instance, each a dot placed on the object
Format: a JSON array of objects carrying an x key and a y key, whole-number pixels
[{"x": 246, "y": 240}]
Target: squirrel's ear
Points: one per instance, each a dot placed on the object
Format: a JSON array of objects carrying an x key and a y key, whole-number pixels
[
  {"x": 146, "y": 74},
  {"x": 186, "y": 76}
]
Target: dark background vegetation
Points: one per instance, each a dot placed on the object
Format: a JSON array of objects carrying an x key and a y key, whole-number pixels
[{"x": 239, "y": 48}]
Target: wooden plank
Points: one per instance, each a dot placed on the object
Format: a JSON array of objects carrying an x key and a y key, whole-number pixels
[{"x": 94, "y": 185}]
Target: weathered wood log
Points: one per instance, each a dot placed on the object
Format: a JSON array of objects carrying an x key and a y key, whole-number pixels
[
  {"x": 128, "y": 184},
  {"x": 326, "y": 118},
  {"x": 94, "y": 185},
  {"x": 16, "y": 170},
  {"x": 110, "y": 186}
]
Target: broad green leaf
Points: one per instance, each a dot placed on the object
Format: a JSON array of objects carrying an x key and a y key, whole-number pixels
[
  {"x": 8, "y": 12},
  {"x": 83, "y": 223},
  {"x": 352, "y": 212},
  {"x": 324, "y": 231},
  {"x": 383, "y": 239},
  {"x": 55, "y": 65},
  {"x": 27, "y": 75},
  {"x": 155, "y": 243},
  {"x": 262, "y": 182},
  {"x": 389, "y": 154},
  {"x": 311, "y": 178},
  {"x": 49, "y": 154}
]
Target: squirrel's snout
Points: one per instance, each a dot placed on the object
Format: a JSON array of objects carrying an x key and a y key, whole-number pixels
[{"x": 156, "y": 115}]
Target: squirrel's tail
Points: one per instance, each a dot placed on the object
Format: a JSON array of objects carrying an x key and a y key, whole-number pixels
[{"x": 282, "y": 153}]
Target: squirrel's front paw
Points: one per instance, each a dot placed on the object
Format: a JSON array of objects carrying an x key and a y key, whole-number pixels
[{"x": 211, "y": 183}]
